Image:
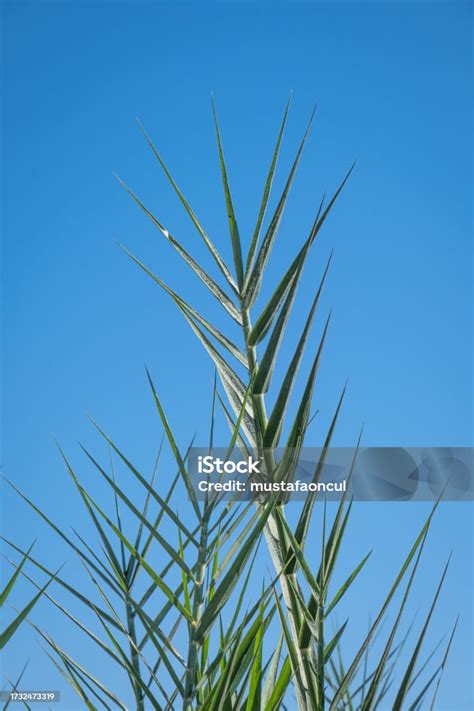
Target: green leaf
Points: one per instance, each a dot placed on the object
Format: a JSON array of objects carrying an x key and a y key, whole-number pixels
[
  {"x": 162, "y": 613},
  {"x": 58, "y": 580},
  {"x": 236, "y": 544},
  {"x": 77, "y": 622},
  {"x": 400, "y": 698},
  {"x": 228, "y": 583},
  {"x": 293, "y": 651},
  {"x": 255, "y": 686},
  {"x": 331, "y": 646},
  {"x": 339, "y": 695},
  {"x": 151, "y": 572},
  {"x": 371, "y": 694},
  {"x": 153, "y": 632},
  {"x": 207, "y": 280},
  {"x": 298, "y": 428},
  {"x": 187, "y": 309},
  {"x": 231, "y": 423},
  {"x": 419, "y": 699},
  {"x": 246, "y": 652},
  {"x": 139, "y": 685},
  {"x": 174, "y": 448},
  {"x": 254, "y": 279},
  {"x": 267, "y": 365},
  {"x": 161, "y": 540},
  {"x": 280, "y": 687},
  {"x": 305, "y": 517},
  {"x": 149, "y": 489},
  {"x": 276, "y": 420},
  {"x": 220, "y": 698},
  {"x": 268, "y": 313},
  {"x": 15, "y": 686},
  {"x": 300, "y": 557},
  {"x": 114, "y": 562},
  {"x": 8, "y": 633},
  {"x": 264, "y": 320},
  {"x": 443, "y": 664},
  {"x": 266, "y": 192},
  {"x": 106, "y": 577},
  {"x": 233, "y": 228},
  {"x": 8, "y": 588},
  {"x": 233, "y": 638},
  {"x": 133, "y": 567},
  {"x": 77, "y": 686},
  {"x": 231, "y": 382},
  {"x": 72, "y": 664},
  {"x": 271, "y": 677},
  {"x": 130, "y": 567},
  {"x": 217, "y": 498},
  {"x": 212, "y": 249},
  {"x": 346, "y": 585}
]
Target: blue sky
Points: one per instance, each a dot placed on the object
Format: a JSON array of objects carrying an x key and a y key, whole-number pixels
[{"x": 393, "y": 86}]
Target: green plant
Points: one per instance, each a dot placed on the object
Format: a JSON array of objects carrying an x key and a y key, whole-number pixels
[
  {"x": 7, "y": 634},
  {"x": 195, "y": 601},
  {"x": 240, "y": 370},
  {"x": 12, "y": 627}
]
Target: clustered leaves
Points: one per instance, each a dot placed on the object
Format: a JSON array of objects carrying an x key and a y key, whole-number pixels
[{"x": 188, "y": 627}]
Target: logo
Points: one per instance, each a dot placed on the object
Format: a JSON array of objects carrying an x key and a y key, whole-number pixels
[{"x": 209, "y": 465}]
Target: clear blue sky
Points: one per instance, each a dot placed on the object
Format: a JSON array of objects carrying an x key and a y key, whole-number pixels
[{"x": 394, "y": 89}]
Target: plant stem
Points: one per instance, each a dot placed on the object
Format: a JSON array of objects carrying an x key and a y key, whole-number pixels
[
  {"x": 134, "y": 657},
  {"x": 320, "y": 657},
  {"x": 194, "y": 646},
  {"x": 272, "y": 531}
]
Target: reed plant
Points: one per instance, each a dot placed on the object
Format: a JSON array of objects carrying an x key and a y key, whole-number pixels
[{"x": 188, "y": 618}]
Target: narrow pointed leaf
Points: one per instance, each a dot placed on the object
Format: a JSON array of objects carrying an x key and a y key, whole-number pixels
[
  {"x": 161, "y": 540},
  {"x": 280, "y": 687},
  {"x": 59, "y": 581},
  {"x": 276, "y": 420},
  {"x": 211, "y": 247},
  {"x": 233, "y": 228},
  {"x": 268, "y": 313},
  {"x": 369, "y": 700},
  {"x": 8, "y": 587},
  {"x": 443, "y": 665},
  {"x": 174, "y": 448},
  {"x": 114, "y": 561},
  {"x": 263, "y": 322},
  {"x": 271, "y": 677},
  {"x": 267, "y": 365},
  {"x": 339, "y": 695},
  {"x": 346, "y": 585},
  {"x": 266, "y": 192},
  {"x": 305, "y": 517},
  {"x": 231, "y": 382},
  {"x": 301, "y": 419},
  {"x": 331, "y": 646},
  {"x": 253, "y": 282},
  {"x": 187, "y": 309},
  {"x": 10, "y": 630},
  {"x": 293, "y": 653},
  {"x": 224, "y": 590},
  {"x": 71, "y": 662},
  {"x": 207, "y": 280},
  {"x": 108, "y": 579},
  {"x": 150, "y": 490},
  {"x": 400, "y": 698},
  {"x": 15, "y": 685},
  {"x": 151, "y": 572},
  {"x": 419, "y": 699}
]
